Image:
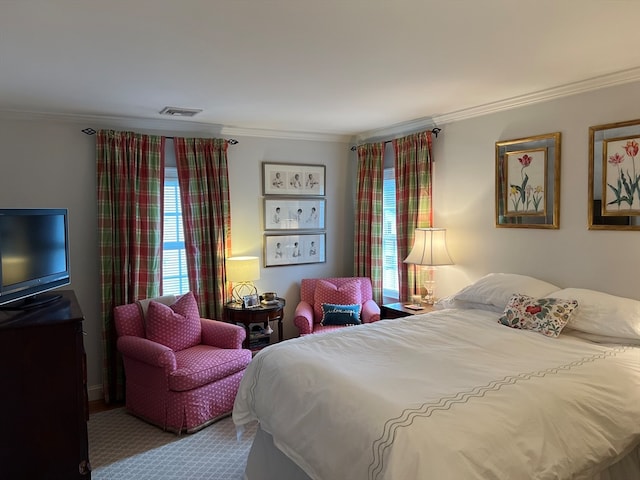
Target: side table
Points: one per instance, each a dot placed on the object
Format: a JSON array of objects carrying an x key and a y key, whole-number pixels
[
  {"x": 398, "y": 310},
  {"x": 263, "y": 313}
]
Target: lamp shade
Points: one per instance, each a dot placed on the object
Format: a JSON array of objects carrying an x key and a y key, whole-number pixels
[
  {"x": 429, "y": 248},
  {"x": 243, "y": 269}
]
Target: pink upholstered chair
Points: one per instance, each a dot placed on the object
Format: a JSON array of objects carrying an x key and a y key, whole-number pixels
[
  {"x": 341, "y": 291},
  {"x": 182, "y": 371}
]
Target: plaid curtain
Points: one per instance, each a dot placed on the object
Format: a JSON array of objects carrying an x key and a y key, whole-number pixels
[
  {"x": 130, "y": 178},
  {"x": 413, "y": 168},
  {"x": 368, "y": 228},
  {"x": 204, "y": 191}
]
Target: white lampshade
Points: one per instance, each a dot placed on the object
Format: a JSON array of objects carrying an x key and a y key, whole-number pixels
[
  {"x": 243, "y": 269},
  {"x": 429, "y": 248}
]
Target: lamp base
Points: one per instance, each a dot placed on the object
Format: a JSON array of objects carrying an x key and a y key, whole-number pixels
[
  {"x": 429, "y": 286},
  {"x": 241, "y": 289},
  {"x": 429, "y": 298}
]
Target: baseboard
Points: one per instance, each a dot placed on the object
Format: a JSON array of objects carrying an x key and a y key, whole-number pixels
[{"x": 95, "y": 393}]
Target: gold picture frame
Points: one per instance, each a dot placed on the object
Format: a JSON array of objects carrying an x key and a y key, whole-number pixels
[
  {"x": 614, "y": 185},
  {"x": 528, "y": 182}
]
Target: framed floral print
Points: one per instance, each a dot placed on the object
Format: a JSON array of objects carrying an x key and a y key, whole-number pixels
[
  {"x": 614, "y": 176},
  {"x": 528, "y": 182}
]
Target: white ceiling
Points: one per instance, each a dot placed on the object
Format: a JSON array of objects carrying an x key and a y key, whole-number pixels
[{"x": 339, "y": 67}]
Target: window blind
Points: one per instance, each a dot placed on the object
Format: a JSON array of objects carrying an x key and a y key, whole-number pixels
[
  {"x": 389, "y": 246},
  {"x": 175, "y": 276}
]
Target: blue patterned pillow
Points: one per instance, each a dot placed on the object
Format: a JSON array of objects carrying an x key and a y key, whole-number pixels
[{"x": 333, "y": 314}]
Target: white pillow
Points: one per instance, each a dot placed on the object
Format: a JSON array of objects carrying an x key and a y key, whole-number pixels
[
  {"x": 450, "y": 302},
  {"x": 603, "y": 314},
  {"x": 167, "y": 300},
  {"x": 497, "y": 289},
  {"x": 592, "y": 337}
]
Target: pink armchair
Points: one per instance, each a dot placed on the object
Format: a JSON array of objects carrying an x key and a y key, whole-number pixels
[
  {"x": 341, "y": 290},
  {"x": 180, "y": 376}
]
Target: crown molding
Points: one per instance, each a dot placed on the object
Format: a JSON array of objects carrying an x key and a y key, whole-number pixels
[
  {"x": 596, "y": 83},
  {"x": 398, "y": 129},
  {"x": 109, "y": 122},
  {"x": 170, "y": 126},
  {"x": 177, "y": 125},
  {"x": 285, "y": 135}
]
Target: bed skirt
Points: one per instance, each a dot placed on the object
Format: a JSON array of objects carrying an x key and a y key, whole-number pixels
[{"x": 266, "y": 462}]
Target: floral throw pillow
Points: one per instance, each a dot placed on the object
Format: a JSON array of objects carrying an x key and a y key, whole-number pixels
[{"x": 545, "y": 315}]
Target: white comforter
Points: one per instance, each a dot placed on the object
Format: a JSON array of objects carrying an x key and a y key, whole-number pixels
[{"x": 449, "y": 395}]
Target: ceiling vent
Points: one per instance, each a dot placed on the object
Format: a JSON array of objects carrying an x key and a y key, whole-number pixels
[{"x": 180, "y": 112}]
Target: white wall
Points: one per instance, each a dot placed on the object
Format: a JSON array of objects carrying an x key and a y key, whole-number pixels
[
  {"x": 245, "y": 167},
  {"x": 464, "y": 199},
  {"x": 47, "y": 164},
  {"x": 50, "y": 163}
]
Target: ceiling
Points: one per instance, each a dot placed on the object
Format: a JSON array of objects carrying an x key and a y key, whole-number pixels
[{"x": 335, "y": 67}]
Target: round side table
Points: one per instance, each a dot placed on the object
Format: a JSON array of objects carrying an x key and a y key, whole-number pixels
[{"x": 261, "y": 314}]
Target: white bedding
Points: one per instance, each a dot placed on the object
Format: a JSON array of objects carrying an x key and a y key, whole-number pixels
[{"x": 452, "y": 394}]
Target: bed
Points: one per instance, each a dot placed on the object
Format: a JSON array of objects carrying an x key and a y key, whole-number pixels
[{"x": 456, "y": 393}]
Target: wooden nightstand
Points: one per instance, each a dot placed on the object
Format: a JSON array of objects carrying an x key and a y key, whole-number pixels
[
  {"x": 398, "y": 310},
  {"x": 263, "y": 314}
]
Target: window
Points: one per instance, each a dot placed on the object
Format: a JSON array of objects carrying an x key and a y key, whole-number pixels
[
  {"x": 390, "y": 286},
  {"x": 175, "y": 277}
]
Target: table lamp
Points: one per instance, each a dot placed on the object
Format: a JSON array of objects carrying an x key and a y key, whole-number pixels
[
  {"x": 429, "y": 251},
  {"x": 242, "y": 271}
]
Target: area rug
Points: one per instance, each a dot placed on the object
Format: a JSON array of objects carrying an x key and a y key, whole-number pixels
[{"x": 122, "y": 446}]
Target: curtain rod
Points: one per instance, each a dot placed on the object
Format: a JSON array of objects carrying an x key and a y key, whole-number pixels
[
  {"x": 435, "y": 131},
  {"x": 91, "y": 131}
]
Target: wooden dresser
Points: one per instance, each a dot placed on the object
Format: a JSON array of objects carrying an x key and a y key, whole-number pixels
[{"x": 43, "y": 393}]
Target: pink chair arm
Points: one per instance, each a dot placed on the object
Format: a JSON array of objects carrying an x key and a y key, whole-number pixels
[
  {"x": 146, "y": 351},
  {"x": 222, "y": 334},
  {"x": 370, "y": 312},
  {"x": 303, "y": 318}
]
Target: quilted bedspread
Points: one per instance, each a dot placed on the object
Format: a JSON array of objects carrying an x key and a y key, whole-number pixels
[{"x": 452, "y": 394}]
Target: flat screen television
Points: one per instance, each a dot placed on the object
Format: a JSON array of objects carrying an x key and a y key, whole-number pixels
[{"x": 34, "y": 256}]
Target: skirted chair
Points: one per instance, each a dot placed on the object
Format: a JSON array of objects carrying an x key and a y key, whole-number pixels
[
  {"x": 182, "y": 371},
  {"x": 347, "y": 301}
]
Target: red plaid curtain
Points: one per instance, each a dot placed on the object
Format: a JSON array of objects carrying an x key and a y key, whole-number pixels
[
  {"x": 368, "y": 228},
  {"x": 206, "y": 214},
  {"x": 130, "y": 178},
  {"x": 413, "y": 168}
]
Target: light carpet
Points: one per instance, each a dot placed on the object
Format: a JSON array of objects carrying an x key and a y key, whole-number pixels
[{"x": 122, "y": 446}]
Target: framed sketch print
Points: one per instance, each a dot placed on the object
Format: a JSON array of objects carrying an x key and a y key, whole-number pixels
[
  {"x": 294, "y": 249},
  {"x": 614, "y": 176},
  {"x": 291, "y": 179},
  {"x": 528, "y": 182},
  {"x": 294, "y": 214}
]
